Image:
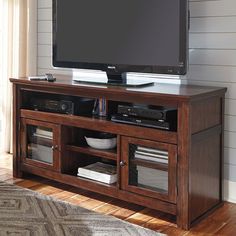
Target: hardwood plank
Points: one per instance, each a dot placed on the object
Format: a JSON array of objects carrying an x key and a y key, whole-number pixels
[
  {"x": 220, "y": 222},
  {"x": 228, "y": 229},
  {"x": 47, "y": 190},
  {"x": 126, "y": 210},
  {"x": 63, "y": 195},
  {"x": 174, "y": 231},
  {"x": 161, "y": 222},
  {"x": 77, "y": 199},
  {"x": 207, "y": 227},
  {"x": 28, "y": 184},
  {"x": 109, "y": 207},
  {"x": 140, "y": 218}
]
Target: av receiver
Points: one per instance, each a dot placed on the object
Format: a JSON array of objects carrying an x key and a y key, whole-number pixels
[{"x": 81, "y": 106}]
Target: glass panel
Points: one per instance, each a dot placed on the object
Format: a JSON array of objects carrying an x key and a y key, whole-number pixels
[
  {"x": 40, "y": 142},
  {"x": 148, "y": 168}
]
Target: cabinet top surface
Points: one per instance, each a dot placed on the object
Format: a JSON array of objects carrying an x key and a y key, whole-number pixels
[{"x": 158, "y": 89}]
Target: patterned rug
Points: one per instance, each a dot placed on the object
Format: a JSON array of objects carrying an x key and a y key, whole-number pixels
[{"x": 26, "y": 213}]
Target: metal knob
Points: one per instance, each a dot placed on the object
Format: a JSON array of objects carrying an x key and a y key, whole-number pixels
[
  {"x": 54, "y": 147},
  {"x": 122, "y": 163}
]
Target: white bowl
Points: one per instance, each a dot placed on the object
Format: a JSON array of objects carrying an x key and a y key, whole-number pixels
[{"x": 100, "y": 143}]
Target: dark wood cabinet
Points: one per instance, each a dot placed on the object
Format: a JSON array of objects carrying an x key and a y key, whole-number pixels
[{"x": 182, "y": 163}]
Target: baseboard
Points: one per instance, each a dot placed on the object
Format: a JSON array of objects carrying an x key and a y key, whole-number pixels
[{"x": 230, "y": 191}]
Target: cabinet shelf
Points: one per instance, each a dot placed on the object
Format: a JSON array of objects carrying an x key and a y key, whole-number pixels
[
  {"x": 108, "y": 154},
  {"x": 90, "y": 181}
]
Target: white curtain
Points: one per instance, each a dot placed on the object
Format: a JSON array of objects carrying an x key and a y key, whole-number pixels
[{"x": 18, "y": 53}]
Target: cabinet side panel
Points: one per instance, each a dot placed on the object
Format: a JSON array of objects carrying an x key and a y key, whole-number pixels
[
  {"x": 206, "y": 114},
  {"x": 16, "y": 132},
  {"x": 184, "y": 141},
  {"x": 204, "y": 184}
]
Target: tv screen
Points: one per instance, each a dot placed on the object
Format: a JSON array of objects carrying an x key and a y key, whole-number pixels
[{"x": 124, "y": 35}]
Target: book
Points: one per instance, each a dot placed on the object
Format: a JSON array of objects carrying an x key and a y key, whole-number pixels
[
  {"x": 42, "y": 136},
  {"x": 152, "y": 154},
  {"x": 46, "y": 132},
  {"x": 150, "y": 158},
  {"x": 43, "y": 133},
  {"x": 100, "y": 172},
  {"x": 152, "y": 150}
]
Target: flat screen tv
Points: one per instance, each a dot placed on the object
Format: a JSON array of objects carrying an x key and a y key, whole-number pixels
[{"x": 119, "y": 36}]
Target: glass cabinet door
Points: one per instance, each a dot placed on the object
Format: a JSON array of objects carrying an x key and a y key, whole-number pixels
[
  {"x": 149, "y": 168},
  {"x": 40, "y": 144}
]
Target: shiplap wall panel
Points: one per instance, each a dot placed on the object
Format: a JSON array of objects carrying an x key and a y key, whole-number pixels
[
  {"x": 221, "y": 24},
  {"x": 230, "y": 108},
  {"x": 44, "y": 4},
  {"x": 230, "y": 138},
  {"x": 44, "y": 38},
  {"x": 44, "y": 50},
  {"x": 212, "y": 57},
  {"x": 55, "y": 71},
  {"x": 213, "y": 8},
  {"x": 44, "y": 26},
  {"x": 45, "y": 14},
  {"x": 230, "y": 123},
  {"x": 45, "y": 62},
  {"x": 229, "y": 154},
  {"x": 213, "y": 40},
  {"x": 212, "y": 73},
  {"x": 230, "y": 172}
]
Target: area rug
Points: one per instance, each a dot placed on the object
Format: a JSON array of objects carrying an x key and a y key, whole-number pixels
[{"x": 26, "y": 213}]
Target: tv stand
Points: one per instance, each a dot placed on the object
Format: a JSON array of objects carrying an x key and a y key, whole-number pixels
[
  {"x": 117, "y": 79},
  {"x": 52, "y": 144}
]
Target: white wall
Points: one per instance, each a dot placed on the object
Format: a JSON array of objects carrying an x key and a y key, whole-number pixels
[{"x": 212, "y": 62}]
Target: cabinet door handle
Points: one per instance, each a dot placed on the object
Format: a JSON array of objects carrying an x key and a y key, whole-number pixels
[
  {"x": 122, "y": 163},
  {"x": 54, "y": 147}
]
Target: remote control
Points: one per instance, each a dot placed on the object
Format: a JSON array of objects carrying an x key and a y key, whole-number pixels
[
  {"x": 47, "y": 77},
  {"x": 42, "y": 78},
  {"x": 50, "y": 78}
]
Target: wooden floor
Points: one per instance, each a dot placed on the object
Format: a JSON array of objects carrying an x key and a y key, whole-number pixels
[{"x": 221, "y": 222}]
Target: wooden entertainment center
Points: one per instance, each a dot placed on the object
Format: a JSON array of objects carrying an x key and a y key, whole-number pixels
[{"x": 192, "y": 176}]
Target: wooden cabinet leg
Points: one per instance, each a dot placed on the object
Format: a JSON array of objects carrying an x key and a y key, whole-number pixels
[
  {"x": 17, "y": 173},
  {"x": 182, "y": 222}
]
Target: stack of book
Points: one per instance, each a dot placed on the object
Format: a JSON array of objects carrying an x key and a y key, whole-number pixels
[
  {"x": 99, "y": 171},
  {"x": 43, "y": 133},
  {"x": 151, "y": 154}
]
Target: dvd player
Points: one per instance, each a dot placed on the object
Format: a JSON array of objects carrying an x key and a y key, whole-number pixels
[
  {"x": 125, "y": 119},
  {"x": 160, "y": 113}
]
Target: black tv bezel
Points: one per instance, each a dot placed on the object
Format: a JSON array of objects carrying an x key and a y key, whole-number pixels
[{"x": 121, "y": 68}]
